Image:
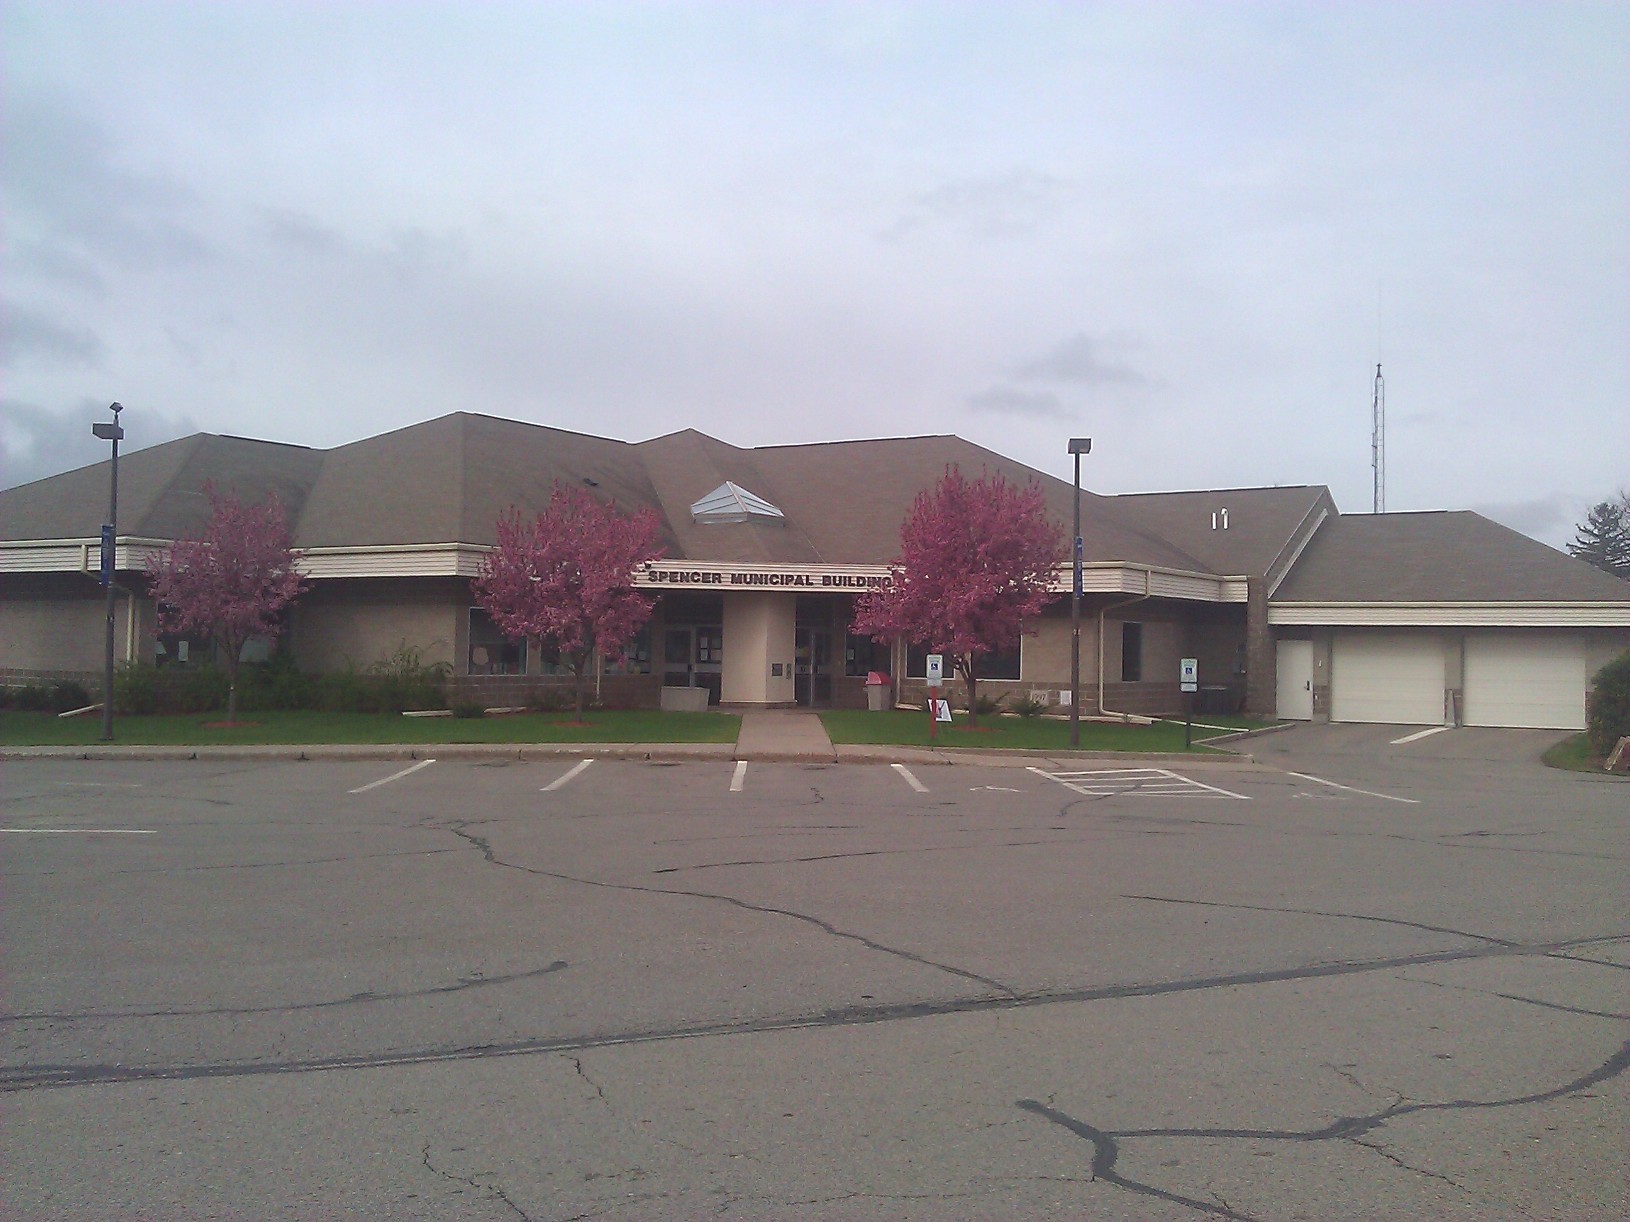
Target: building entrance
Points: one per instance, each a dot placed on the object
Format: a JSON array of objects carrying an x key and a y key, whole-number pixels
[
  {"x": 812, "y": 674},
  {"x": 693, "y": 656}
]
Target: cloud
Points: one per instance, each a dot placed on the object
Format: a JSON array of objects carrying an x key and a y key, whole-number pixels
[
  {"x": 992, "y": 206},
  {"x": 64, "y": 181},
  {"x": 1012, "y": 401},
  {"x": 35, "y": 443},
  {"x": 300, "y": 230},
  {"x": 1079, "y": 359},
  {"x": 32, "y": 338},
  {"x": 1551, "y": 519}
]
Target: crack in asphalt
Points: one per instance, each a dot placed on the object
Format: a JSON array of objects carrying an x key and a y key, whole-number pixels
[
  {"x": 491, "y": 1190},
  {"x": 927, "y": 848},
  {"x": 462, "y": 984},
  {"x": 49, "y": 1076},
  {"x": 1345, "y": 916},
  {"x": 1106, "y": 1143},
  {"x": 577, "y": 1064},
  {"x": 485, "y": 847},
  {"x": 1531, "y": 1001}
]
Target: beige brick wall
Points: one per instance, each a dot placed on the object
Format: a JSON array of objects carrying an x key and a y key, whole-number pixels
[
  {"x": 58, "y": 623},
  {"x": 359, "y": 622}
]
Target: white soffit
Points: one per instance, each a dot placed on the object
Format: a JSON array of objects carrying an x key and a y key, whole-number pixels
[{"x": 732, "y": 503}]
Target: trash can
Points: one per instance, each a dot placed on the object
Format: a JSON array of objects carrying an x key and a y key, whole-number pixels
[{"x": 877, "y": 692}]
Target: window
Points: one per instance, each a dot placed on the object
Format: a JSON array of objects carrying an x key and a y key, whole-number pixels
[
  {"x": 635, "y": 658},
  {"x": 490, "y": 652},
  {"x": 862, "y": 655},
  {"x": 1131, "y": 652},
  {"x": 1004, "y": 665}
]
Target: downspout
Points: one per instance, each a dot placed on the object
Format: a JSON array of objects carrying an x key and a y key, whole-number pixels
[{"x": 1148, "y": 586}]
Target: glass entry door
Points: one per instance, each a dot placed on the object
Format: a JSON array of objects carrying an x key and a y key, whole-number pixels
[
  {"x": 812, "y": 672},
  {"x": 693, "y": 656}
]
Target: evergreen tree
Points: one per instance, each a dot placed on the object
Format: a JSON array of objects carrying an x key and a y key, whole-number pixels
[{"x": 1603, "y": 538}]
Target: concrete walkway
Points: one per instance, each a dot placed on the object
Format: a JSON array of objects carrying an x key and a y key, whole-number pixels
[{"x": 783, "y": 734}]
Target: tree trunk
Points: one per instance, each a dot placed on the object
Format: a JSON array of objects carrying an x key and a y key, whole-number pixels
[
  {"x": 580, "y": 668},
  {"x": 970, "y": 681},
  {"x": 232, "y": 684}
]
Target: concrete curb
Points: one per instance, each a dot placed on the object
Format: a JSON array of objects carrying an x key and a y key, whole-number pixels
[{"x": 858, "y": 753}]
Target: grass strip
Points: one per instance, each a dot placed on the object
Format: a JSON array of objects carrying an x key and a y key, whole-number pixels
[{"x": 19, "y": 729}]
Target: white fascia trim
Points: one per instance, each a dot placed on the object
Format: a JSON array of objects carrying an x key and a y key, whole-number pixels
[
  {"x": 1111, "y": 577},
  {"x": 81, "y": 555},
  {"x": 1297, "y": 550},
  {"x": 1453, "y": 614}
]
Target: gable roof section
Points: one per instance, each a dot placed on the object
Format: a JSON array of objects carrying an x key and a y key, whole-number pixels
[
  {"x": 1439, "y": 557},
  {"x": 1252, "y": 532},
  {"x": 161, "y": 488}
]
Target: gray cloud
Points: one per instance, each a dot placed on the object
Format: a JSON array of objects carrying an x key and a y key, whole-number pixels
[
  {"x": 1551, "y": 519},
  {"x": 1079, "y": 359},
  {"x": 300, "y": 230},
  {"x": 64, "y": 179},
  {"x": 35, "y": 443},
  {"x": 991, "y": 206},
  {"x": 1012, "y": 401},
  {"x": 29, "y": 337}
]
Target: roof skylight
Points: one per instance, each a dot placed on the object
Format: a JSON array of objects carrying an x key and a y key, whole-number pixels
[{"x": 732, "y": 503}]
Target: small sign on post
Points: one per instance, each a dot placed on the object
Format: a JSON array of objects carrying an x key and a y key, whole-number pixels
[
  {"x": 934, "y": 669},
  {"x": 107, "y": 555},
  {"x": 942, "y": 711},
  {"x": 1188, "y": 676}
]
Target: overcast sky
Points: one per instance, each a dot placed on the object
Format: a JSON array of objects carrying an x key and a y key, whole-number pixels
[{"x": 1186, "y": 230}]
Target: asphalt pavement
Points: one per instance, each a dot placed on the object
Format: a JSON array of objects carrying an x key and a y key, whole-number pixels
[{"x": 1353, "y": 978}]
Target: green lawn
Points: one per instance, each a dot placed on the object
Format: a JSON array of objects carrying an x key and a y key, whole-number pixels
[
  {"x": 1574, "y": 754},
  {"x": 202, "y": 729},
  {"x": 1004, "y": 733}
]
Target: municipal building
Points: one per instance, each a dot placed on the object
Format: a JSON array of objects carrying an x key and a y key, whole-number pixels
[{"x": 1290, "y": 606}]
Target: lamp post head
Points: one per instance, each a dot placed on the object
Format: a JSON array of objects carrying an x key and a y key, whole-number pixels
[
  {"x": 116, "y": 408},
  {"x": 1080, "y": 445}
]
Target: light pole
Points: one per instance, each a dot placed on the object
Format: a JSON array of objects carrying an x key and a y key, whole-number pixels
[
  {"x": 1078, "y": 447},
  {"x": 109, "y": 430}
]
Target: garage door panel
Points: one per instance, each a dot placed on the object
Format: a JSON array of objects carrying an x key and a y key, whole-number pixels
[
  {"x": 1519, "y": 679},
  {"x": 1394, "y": 678}
]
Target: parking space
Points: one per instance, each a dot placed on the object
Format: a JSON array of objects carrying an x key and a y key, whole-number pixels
[{"x": 483, "y": 984}]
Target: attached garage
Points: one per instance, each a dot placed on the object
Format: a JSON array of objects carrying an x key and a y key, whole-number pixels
[
  {"x": 1391, "y": 677},
  {"x": 1525, "y": 679}
]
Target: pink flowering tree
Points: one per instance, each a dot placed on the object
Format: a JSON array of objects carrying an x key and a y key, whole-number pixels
[
  {"x": 566, "y": 578},
  {"x": 232, "y": 581},
  {"x": 976, "y": 562}
]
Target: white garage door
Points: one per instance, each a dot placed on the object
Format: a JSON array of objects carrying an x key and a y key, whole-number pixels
[
  {"x": 1525, "y": 679},
  {"x": 1393, "y": 677}
]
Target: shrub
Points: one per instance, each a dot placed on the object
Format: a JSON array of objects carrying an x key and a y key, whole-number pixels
[
  {"x": 469, "y": 709},
  {"x": 197, "y": 689},
  {"x": 404, "y": 680},
  {"x": 136, "y": 688},
  {"x": 1033, "y": 704},
  {"x": 66, "y": 694},
  {"x": 986, "y": 706},
  {"x": 1609, "y": 718}
]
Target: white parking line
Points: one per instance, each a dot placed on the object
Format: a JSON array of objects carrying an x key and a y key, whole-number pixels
[
  {"x": 395, "y": 776},
  {"x": 910, "y": 780},
  {"x": 1426, "y": 733},
  {"x": 1134, "y": 782},
  {"x": 739, "y": 777},
  {"x": 1319, "y": 780},
  {"x": 78, "y": 831},
  {"x": 566, "y": 776}
]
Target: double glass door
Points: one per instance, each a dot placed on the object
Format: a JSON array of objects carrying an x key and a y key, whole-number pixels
[
  {"x": 812, "y": 672},
  {"x": 693, "y": 656}
]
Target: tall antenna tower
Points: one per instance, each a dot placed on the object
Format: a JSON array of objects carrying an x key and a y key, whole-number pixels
[{"x": 1378, "y": 442}]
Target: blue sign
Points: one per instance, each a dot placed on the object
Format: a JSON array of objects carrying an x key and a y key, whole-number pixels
[{"x": 107, "y": 554}]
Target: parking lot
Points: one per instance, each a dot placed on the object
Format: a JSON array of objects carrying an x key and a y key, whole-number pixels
[{"x": 1357, "y": 978}]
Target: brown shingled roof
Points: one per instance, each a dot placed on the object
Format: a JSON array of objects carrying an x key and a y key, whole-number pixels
[{"x": 1445, "y": 556}]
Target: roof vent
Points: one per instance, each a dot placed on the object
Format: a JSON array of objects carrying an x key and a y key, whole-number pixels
[
  {"x": 730, "y": 503},
  {"x": 1219, "y": 519}
]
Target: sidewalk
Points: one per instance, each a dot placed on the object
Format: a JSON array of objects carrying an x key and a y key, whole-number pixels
[{"x": 783, "y": 734}]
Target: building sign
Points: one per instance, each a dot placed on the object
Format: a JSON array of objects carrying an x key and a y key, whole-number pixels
[{"x": 660, "y": 573}]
